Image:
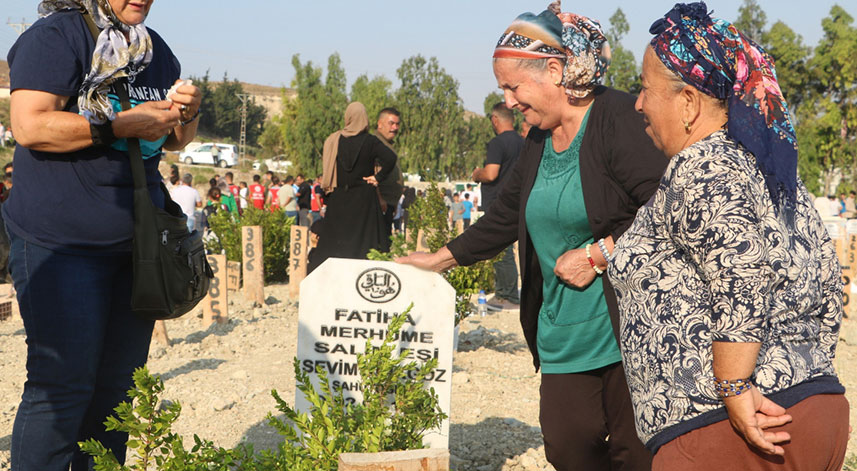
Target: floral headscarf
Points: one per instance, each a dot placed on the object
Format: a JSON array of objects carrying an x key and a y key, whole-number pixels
[
  {"x": 552, "y": 33},
  {"x": 112, "y": 59},
  {"x": 713, "y": 56}
]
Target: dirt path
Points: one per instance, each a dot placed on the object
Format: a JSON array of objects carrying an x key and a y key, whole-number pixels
[{"x": 223, "y": 375}]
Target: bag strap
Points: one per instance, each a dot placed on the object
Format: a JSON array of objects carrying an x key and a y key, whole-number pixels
[{"x": 134, "y": 152}]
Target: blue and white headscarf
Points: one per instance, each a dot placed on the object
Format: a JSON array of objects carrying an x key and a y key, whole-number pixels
[{"x": 113, "y": 57}]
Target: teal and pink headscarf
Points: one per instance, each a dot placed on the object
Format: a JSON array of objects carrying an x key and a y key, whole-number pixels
[
  {"x": 713, "y": 56},
  {"x": 576, "y": 39}
]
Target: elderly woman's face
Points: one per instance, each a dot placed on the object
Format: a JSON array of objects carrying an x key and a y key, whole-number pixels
[
  {"x": 131, "y": 12},
  {"x": 526, "y": 90},
  {"x": 659, "y": 103}
]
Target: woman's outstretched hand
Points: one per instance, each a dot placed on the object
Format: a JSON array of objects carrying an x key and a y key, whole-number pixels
[
  {"x": 751, "y": 413},
  {"x": 439, "y": 261}
]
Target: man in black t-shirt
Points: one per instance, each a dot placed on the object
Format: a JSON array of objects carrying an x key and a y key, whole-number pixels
[
  {"x": 500, "y": 157},
  {"x": 304, "y": 196}
]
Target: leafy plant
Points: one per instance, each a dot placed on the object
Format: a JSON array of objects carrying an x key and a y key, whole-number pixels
[
  {"x": 396, "y": 411},
  {"x": 149, "y": 435},
  {"x": 429, "y": 214},
  {"x": 276, "y": 231},
  {"x": 850, "y": 463}
]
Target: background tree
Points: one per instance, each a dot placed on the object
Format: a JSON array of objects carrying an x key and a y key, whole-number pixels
[
  {"x": 623, "y": 73},
  {"x": 220, "y": 111},
  {"x": 751, "y": 21},
  {"x": 434, "y": 131},
  {"x": 790, "y": 57},
  {"x": 374, "y": 94},
  {"x": 828, "y": 119},
  {"x": 317, "y": 111}
]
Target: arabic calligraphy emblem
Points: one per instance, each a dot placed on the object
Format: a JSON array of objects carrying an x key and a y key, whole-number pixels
[{"x": 378, "y": 285}]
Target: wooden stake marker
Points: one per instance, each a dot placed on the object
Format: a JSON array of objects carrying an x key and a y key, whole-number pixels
[
  {"x": 431, "y": 459},
  {"x": 233, "y": 276},
  {"x": 836, "y": 230},
  {"x": 254, "y": 270},
  {"x": 422, "y": 243},
  {"x": 160, "y": 333},
  {"x": 299, "y": 248},
  {"x": 214, "y": 306},
  {"x": 850, "y": 259}
]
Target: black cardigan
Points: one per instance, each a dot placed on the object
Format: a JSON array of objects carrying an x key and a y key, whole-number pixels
[{"x": 620, "y": 169}]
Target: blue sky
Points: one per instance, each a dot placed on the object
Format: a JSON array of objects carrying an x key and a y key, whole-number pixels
[{"x": 254, "y": 40}]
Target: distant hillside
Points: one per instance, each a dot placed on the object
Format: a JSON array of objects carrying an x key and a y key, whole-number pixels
[{"x": 267, "y": 96}]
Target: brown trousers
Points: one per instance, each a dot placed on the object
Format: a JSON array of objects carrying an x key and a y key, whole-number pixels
[
  {"x": 819, "y": 436},
  {"x": 588, "y": 422}
]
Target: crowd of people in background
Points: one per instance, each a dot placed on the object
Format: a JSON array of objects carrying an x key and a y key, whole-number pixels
[{"x": 832, "y": 207}]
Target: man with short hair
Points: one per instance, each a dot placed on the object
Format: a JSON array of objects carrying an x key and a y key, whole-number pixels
[
  {"x": 390, "y": 189},
  {"x": 186, "y": 196},
  {"x": 304, "y": 204},
  {"x": 215, "y": 154},
  {"x": 257, "y": 193},
  {"x": 468, "y": 211},
  {"x": 286, "y": 199},
  {"x": 500, "y": 157}
]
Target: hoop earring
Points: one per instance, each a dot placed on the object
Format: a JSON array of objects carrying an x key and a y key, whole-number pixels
[{"x": 686, "y": 127}]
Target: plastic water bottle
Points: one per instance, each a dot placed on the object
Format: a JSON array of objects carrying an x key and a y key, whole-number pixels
[{"x": 482, "y": 304}]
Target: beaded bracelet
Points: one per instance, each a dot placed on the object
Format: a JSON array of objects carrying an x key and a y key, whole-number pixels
[
  {"x": 598, "y": 271},
  {"x": 734, "y": 387},
  {"x": 603, "y": 247}
]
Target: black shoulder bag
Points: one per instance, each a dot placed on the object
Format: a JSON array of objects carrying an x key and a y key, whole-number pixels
[{"x": 171, "y": 271}]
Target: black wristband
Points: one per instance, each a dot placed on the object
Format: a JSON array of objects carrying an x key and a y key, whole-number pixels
[
  {"x": 191, "y": 119},
  {"x": 102, "y": 134}
]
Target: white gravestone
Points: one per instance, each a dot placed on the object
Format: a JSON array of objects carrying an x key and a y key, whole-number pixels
[{"x": 345, "y": 302}]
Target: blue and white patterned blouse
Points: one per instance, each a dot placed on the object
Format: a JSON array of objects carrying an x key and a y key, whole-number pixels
[{"x": 707, "y": 259}]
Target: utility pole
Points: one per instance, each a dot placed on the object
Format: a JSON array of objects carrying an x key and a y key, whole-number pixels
[
  {"x": 242, "y": 142},
  {"x": 19, "y": 27}
]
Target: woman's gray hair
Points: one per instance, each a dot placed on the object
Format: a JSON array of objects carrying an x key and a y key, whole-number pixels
[{"x": 534, "y": 65}]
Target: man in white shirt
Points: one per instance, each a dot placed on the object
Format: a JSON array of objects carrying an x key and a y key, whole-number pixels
[{"x": 186, "y": 196}]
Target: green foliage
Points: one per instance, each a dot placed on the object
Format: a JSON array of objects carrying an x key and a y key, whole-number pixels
[
  {"x": 4, "y": 112},
  {"x": 433, "y": 134},
  {"x": 374, "y": 94},
  {"x": 276, "y": 231},
  {"x": 396, "y": 411},
  {"x": 430, "y": 215},
  {"x": 220, "y": 112},
  {"x": 751, "y": 20},
  {"x": 623, "y": 73},
  {"x": 148, "y": 423},
  {"x": 850, "y": 463},
  {"x": 828, "y": 116},
  {"x": 790, "y": 57},
  {"x": 316, "y": 112}
]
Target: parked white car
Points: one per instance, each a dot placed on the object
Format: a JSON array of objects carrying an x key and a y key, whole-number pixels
[{"x": 202, "y": 155}]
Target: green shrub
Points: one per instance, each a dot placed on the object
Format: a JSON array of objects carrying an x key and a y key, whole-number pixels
[
  {"x": 430, "y": 215},
  {"x": 394, "y": 415},
  {"x": 850, "y": 463},
  {"x": 276, "y": 231}
]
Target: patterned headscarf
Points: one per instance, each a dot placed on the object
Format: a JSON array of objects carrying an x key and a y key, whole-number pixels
[
  {"x": 577, "y": 39},
  {"x": 112, "y": 59},
  {"x": 716, "y": 58}
]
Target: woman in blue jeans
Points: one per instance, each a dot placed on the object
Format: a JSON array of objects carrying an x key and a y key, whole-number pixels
[{"x": 70, "y": 220}]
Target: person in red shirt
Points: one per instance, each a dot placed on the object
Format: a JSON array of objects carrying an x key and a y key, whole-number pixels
[
  {"x": 234, "y": 189},
  {"x": 316, "y": 202},
  {"x": 257, "y": 193},
  {"x": 272, "y": 201}
]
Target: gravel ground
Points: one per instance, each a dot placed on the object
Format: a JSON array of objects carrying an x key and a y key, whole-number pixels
[{"x": 222, "y": 376}]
